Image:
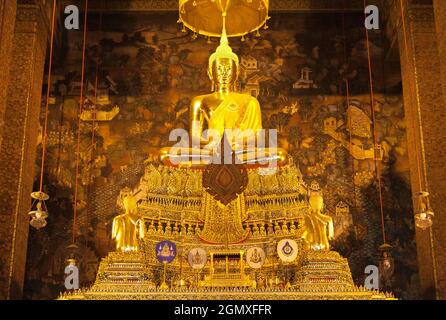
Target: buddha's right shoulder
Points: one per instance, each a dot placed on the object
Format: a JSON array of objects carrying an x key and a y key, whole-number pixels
[{"x": 199, "y": 98}]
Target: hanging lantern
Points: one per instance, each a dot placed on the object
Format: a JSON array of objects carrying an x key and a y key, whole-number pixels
[
  {"x": 206, "y": 16},
  {"x": 52, "y": 99},
  {"x": 39, "y": 215},
  {"x": 72, "y": 253},
  {"x": 386, "y": 263},
  {"x": 72, "y": 269},
  {"x": 424, "y": 216},
  {"x": 71, "y": 262}
]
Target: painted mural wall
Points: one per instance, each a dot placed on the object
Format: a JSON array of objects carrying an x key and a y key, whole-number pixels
[{"x": 310, "y": 74}]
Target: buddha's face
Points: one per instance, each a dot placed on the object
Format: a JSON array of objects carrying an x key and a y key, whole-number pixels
[
  {"x": 130, "y": 204},
  {"x": 224, "y": 71}
]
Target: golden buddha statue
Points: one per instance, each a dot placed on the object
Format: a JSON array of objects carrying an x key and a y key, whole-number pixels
[
  {"x": 224, "y": 113},
  {"x": 127, "y": 227},
  {"x": 318, "y": 227}
]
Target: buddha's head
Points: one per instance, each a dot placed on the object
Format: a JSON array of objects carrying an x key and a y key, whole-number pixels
[
  {"x": 223, "y": 64},
  {"x": 224, "y": 71},
  {"x": 130, "y": 204}
]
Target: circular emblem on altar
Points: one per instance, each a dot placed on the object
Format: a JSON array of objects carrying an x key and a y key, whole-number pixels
[
  {"x": 166, "y": 251},
  {"x": 287, "y": 250},
  {"x": 255, "y": 257},
  {"x": 197, "y": 258}
]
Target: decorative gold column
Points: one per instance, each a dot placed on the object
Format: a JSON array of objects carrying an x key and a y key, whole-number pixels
[
  {"x": 425, "y": 108},
  {"x": 19, "y": 143},
  {"x": 7, "y": 20},
  {"x": 440, "y": 23},
  {"x": 439, "y": 194}
]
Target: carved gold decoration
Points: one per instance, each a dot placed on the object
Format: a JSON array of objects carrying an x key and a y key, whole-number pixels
[
  {"x": 129, "y": 276},
  {"x": 227, "y": 269},
  {"x": 225, "y": 181},
  {"x": 223, "y": 223}
]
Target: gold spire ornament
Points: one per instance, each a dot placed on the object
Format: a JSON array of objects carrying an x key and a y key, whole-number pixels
[
  {"x": 206, "y": 17},
  {"x": 223, "y": 51}
]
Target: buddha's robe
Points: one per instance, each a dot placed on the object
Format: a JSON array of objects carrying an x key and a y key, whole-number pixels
[
  {"x": 318, "y": 226},
  {"x": 125, "y": 232},
  {"x": 236, "y": 111}
]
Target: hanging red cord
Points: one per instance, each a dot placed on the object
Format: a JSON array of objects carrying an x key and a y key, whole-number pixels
[
  {"x": 81, "y": 102},
  {"x": 48, "y": 91},
  {"x": 375, "y": 133}
]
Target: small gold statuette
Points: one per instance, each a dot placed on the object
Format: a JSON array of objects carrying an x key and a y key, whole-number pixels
[
  {"x": 318, "y": 226},
  {"x": 127, "y": 227}
]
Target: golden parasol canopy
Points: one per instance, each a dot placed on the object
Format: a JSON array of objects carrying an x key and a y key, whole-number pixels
[{"x": 205, "y": 17}]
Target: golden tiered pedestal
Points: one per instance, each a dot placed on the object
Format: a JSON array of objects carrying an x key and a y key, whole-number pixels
[
  {"x": 173, "y": 206},
  {"x": 322, "y": 276}
]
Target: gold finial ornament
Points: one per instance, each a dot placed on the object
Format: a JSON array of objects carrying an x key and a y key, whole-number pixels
[
  {"x": 206, "y": 16},
  {"x": 223, "y": 51}
]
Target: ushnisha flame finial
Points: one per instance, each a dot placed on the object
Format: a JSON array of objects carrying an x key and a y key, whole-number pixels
[{"x": 223, "y": 50}]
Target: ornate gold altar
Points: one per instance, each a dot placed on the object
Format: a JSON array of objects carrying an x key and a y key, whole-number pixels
[
  {"x": 216, "y": 214},
  {"x": 172, "y": 205}
]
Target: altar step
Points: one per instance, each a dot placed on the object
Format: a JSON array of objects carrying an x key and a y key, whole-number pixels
[{"x": 324, "y": 271}]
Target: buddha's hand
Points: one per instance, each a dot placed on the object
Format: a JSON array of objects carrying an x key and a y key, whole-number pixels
[
  {"x": 330, "y": 230},
  {"x": 212, "y": 145},
  {"x": 236, "y": 146}
]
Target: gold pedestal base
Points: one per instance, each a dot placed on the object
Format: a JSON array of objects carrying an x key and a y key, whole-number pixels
[
  {"x": 229, "y": 294},
  {"x": 322, "y": 276}
]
